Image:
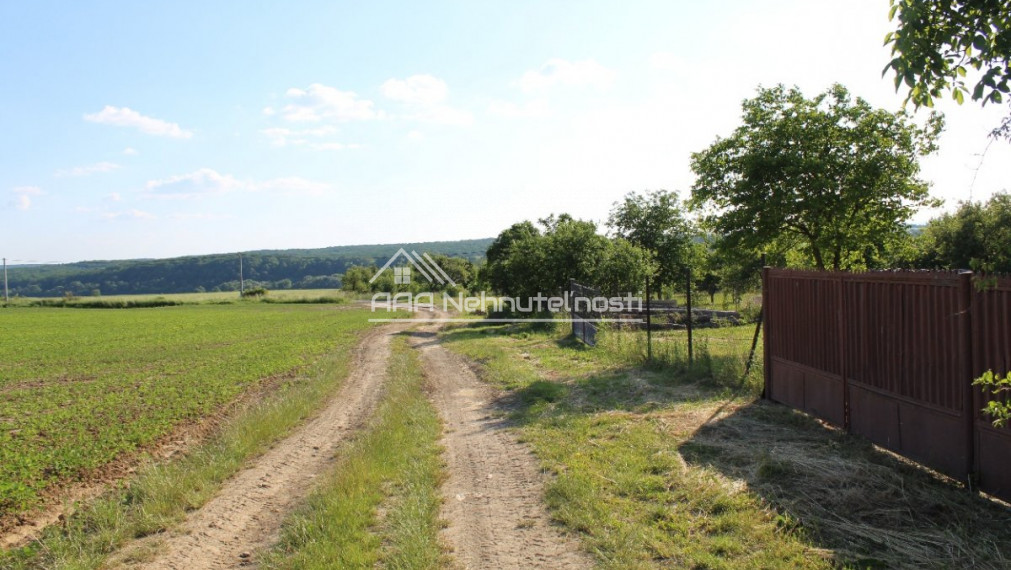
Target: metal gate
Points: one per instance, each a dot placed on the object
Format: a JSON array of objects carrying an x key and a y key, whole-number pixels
[{"x": 585, "y": 320}]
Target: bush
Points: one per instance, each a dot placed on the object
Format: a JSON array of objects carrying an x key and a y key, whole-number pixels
[{"x": 255, "y": 292}]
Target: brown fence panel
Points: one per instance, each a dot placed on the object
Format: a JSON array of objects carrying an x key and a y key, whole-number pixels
[
  {"x": 991, "y": 329},
  {"x": 906, "y": 365},
  {"x": 885, "y": 355},
  {"x": 802, "y": 331}
]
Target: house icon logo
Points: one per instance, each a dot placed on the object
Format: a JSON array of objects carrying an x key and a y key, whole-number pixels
[{"x": 424, "y": 264}]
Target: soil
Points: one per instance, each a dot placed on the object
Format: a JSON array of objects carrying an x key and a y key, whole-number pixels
[
  {"x": 492, "y": 498},
  {"x": 245, "y": 516}
]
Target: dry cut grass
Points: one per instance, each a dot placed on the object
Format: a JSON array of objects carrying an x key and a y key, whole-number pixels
[{"x": 675, "y": 466}]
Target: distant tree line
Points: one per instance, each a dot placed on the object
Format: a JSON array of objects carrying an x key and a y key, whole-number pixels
[
  {"x": 283, "y": 269},
  {"x": 367, "y": 278}
]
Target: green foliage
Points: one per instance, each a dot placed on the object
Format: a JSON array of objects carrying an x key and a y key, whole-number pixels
[
  {"x": 525, "y": 261},
  {"x": 831, "y": 175},
  {"x": 998, "y": 409},
  {"x": 710, "y": 284},
  {"x": 515, "y": 258},
  {"x": 623, "y": 269},
  {"x": 655, "y": 222},
  {"x": 939, "y": 44},
  {"x": 976, "y": 236},
  {"x": 254, "y": 293},
  {"x": 461, "y": 271}
]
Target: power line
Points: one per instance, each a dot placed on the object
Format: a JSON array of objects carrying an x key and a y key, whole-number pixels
[{"x": 975, "y": 173}]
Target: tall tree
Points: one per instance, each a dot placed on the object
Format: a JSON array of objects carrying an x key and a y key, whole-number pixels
[
  {"x": 623, "y": 268},
  {"x": 938, "y": 44},
  {"x": 514, "y": 258},
  {"x": 976, "y": 236},
  {"x": 833, "y": 173},
  {"x": 525, "y": 261},
  {"x": 655, "y": 222}
]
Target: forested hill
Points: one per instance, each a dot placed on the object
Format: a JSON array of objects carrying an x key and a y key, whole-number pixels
[{"x": 273, "y": 269}]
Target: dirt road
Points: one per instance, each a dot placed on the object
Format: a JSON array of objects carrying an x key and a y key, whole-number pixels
[
  {"x": 246, "y": 514},
  {"x": 492, "y": 497}
]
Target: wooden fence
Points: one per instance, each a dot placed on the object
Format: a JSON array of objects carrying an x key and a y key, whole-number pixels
[{"x": 892, "y": 356}]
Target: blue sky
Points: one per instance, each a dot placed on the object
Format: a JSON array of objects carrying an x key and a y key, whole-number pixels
[{"x": 157, "y": 129}]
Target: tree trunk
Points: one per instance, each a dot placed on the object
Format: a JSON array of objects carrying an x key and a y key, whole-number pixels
[{"x": 819, "y": 262}]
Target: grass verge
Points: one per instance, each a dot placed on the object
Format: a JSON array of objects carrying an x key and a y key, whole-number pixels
[
  {"x": 667, "y": 466},
  {"x": 162, "y": 493},
  {"x": 381, "y": 504}
]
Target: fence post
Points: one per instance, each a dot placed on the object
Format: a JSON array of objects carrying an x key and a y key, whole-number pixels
[
  {"x": 754, "y": 340},
  {"x": 688, "y": 298},
  {"x": 841, "y": 314},
  {"x": 767, "y": 343},
  {"x": 649, "y": 326},
  {"x": 571, "y": 306},
  {"x": 968, "y": 395}
]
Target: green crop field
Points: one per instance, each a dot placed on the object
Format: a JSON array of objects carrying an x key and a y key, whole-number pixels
[{"x": 78, "y": 388}]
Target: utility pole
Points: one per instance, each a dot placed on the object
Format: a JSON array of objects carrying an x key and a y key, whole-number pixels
[
  {"x": 7, "y": 297},
  {"x": 242, "y": 283}
]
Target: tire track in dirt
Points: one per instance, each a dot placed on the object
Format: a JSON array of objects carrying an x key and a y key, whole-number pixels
[
  {"x": 492, "y": 496},
  {"x": 246, "y": 514}
]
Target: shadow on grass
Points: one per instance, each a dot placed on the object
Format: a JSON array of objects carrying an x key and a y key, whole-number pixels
[
  {"x": 874, "y": 509},
  {"x": 837, "y": 491}
]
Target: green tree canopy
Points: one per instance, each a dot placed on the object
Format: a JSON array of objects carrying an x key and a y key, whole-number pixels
[
  {"x": 623, "y": 269},
  {"x": 525, "y": 260},
  {"x": 976, "y": 236},
  {"x": 655, "y": 222},
  {"x": 832, "y": 174},
  {"x": 514, "y": 258},
  {"x": 944, "y": 46}
]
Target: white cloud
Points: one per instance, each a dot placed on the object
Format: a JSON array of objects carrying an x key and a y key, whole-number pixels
[
  {"x": 207, "y": 181},
  {"x": 320, "y": 102},
  {"x": 269, "y": 111},
  {"x": 130, "y": 151},
  {"x": 88, "y": 170},
  {"x": 114, "y": 197},
  {"x": 201, "y": 182},
  {"x": 416, "y": 90},
  {"x": 561, "y": 72},
  {"x": 127, "y": 214},
  {"x": 531, "y": 109},
  {"x": 23, "y": 196},
  {"x": 126, "y": 117},
  {"x": 415, "y": 135},
  {"x": 424, "y": 97}
]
